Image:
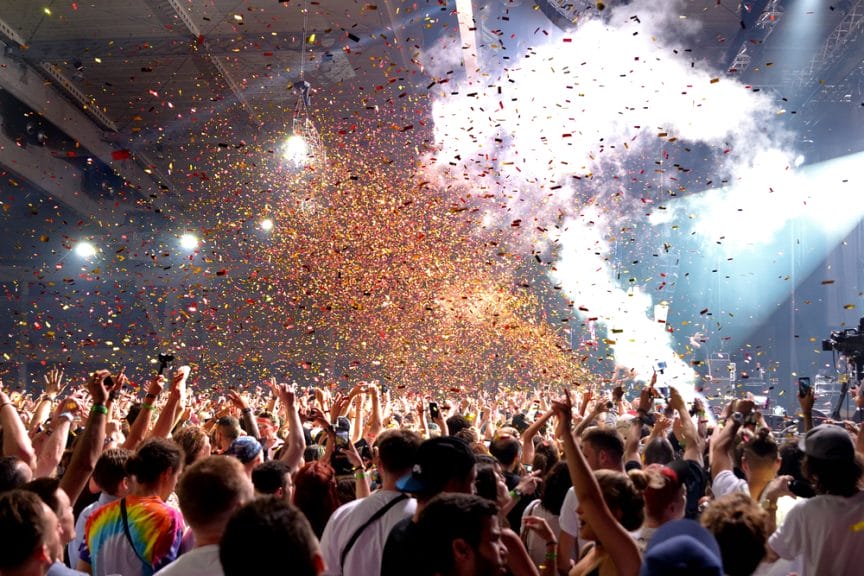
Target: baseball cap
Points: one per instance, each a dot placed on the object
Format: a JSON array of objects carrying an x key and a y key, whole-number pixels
[
  {"x": 828, "y": 442},
  {"x": 682, "y": 547},
  {"x": 438, "y": 461},
  {"x": 244, "y": 448}
]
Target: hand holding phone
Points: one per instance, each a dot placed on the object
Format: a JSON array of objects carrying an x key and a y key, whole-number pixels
[
  {"x": 434, "y": 412},
  {"x": 803, "y": 386}
]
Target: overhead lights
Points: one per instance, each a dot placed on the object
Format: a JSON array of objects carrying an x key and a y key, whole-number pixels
[
  {"x": 188, "y": 241},
  {"x": 266, "y": 224},
  {"x": 85, "y": 250},
  {"x": 295, "y": 150}
]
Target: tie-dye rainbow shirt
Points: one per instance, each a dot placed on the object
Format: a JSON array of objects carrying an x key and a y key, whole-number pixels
[{"x": 156, "y": 529}]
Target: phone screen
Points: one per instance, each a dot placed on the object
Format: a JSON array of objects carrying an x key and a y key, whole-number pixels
[
  {"x": 803, "y": 386},
  {"x": 433, "y": 410}
]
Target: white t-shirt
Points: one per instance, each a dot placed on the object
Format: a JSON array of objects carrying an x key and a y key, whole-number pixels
[
  {"x": 364, "y": 558},
  {"x": 727, "y": 483},
  {"x": 537, "y": 546},
  {"x": 569, "y": 519},
  {"x": 75, "y": 545},
  {"x": 570, "y": 522},
  {"x": 827, "y": 532},
  {"x": 203, "y": 561}
]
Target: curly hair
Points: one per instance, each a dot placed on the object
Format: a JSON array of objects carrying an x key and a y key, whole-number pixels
[{"x": 741, "y": 528}]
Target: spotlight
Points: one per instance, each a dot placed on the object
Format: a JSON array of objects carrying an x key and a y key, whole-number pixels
[
  {"x": 266, "y": 224},
  {"x": 85, "y": 250},
  {"x": 188, "y": 241},
  {"x": 295, "y": 150}
]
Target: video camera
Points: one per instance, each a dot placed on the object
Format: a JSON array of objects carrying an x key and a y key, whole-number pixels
[{"x": 849, "y": 342}]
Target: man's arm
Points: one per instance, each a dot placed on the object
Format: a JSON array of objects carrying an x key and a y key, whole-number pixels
[
  {"x": 631, "y": 446},
  {"x": 173, "y": 406},
  {"x": 373, "y": 428},
  {"x": 806, "y": 402},
  {"x": 296, "y": 445},
  {"x": 52, "y": 450},
  {"x": 53, "y": 387},
  {"x": 692, "y": 440},
  {"x": 92, "y": 440},
  {"x": 247, "y": 418},
  {"x": 720, "y": 457}
]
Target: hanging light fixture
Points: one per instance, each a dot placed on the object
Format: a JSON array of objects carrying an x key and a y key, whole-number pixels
[{"x": 304, "y": 148}]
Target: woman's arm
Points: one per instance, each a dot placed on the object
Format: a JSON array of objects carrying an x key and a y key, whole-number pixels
[
  {"x": 528, "y": 437},
  {"x": 614, "y": 538},
  {"x": 142, "y": 422},
  {"x": 518, "y": 559},
  {"x": 16, "y": 442}
]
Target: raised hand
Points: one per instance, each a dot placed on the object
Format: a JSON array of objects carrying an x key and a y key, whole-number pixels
[
  {"x": 563, "y": 408},
  {"x": 237, "y": 400},
  {"x": 353, "y": 456},
  {"x": 53, "y": 381},
  {"x": 286, "y": 393},
  {"x": 120, "y": 380},
  {"x": 540, "y": 527},
  {"x": 808, "y": 400},
  {"x": 676, "y": 401},
  {"x": 156, "y": 385},
  {"x": 97, "y": 386}
]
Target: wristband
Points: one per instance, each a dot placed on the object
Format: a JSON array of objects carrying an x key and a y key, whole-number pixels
[
  {"x": 66, "y": 416},
  {"x": 551, "y": 556},
  {"x": 515, "y": 493},
  {"x": 150, "y": 395},
  {"x": 246, "y": 410},
  {"x": 144, "y": 406},
  {"x": 99, "y": 408},
  {"x": 360, "y": 474}
]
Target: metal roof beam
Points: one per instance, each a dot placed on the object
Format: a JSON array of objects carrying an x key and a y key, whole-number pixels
[
  {"x": 28, "y": 85},
  {"x": 41, "y": 169}
]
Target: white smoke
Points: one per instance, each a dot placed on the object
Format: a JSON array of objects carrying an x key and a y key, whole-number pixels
[{"x": 559, "y": 136}]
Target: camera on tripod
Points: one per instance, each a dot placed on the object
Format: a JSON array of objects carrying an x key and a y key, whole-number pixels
[{"x": 849, "y": 342}]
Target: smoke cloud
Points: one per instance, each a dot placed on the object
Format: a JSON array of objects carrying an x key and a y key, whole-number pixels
[{"x": 573, "y": 136}]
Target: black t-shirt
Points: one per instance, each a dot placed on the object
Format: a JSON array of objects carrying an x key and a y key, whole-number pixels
[
  {"x": 401, "y": 550},
  {"x": 696, "y": 480},
  {"x": 514, "y": 517}
]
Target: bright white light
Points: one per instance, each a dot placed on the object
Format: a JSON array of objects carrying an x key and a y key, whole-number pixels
[
  {"x": 267, "y": 224},
  {"x": 188, "y": 241},
  {"x": 85, "y": 249},
  {"x": 295, "y": 150}
]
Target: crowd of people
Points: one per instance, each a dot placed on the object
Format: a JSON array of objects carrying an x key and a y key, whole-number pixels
[{"x": 105, "y": 478}]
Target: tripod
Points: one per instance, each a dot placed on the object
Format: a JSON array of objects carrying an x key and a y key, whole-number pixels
[{"x": 858, "y": 361}]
